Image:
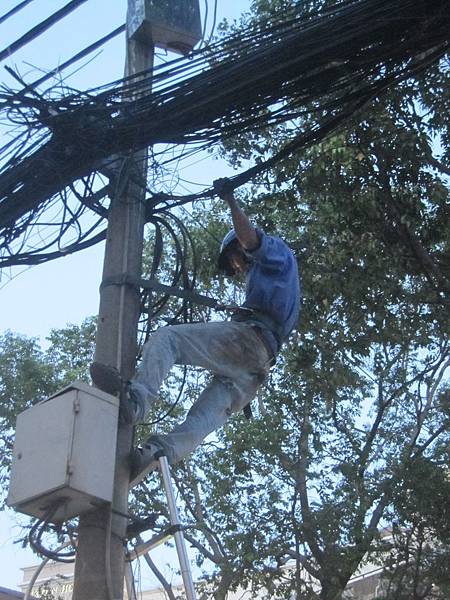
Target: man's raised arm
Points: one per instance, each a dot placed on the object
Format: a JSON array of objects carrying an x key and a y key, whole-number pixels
[{"x": 245, "y": 231}]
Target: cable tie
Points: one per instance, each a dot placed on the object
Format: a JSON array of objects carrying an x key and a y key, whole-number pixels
[{"x": 122, "y": 279}]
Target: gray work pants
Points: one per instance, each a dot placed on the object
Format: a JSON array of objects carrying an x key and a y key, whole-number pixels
[{"x": 234, "y": 354}]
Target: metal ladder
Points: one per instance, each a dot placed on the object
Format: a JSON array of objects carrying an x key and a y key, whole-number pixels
[{"x": 175, "y": 530}]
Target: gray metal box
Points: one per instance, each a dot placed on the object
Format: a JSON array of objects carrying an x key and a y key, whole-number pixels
[
  {"x": 171, "y": 24},
  {"x": 64, "y": 452}
]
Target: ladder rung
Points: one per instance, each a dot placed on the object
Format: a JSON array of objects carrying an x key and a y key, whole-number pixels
[{"x": 153, "y": 542}]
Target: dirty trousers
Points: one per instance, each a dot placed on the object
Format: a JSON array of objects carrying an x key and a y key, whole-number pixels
[{"x": 231, "y": 351}]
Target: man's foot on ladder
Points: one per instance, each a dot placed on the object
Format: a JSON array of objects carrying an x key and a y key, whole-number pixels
[{"x": 142, "y": 462}]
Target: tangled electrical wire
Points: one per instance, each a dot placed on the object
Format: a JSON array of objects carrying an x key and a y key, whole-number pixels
[
  {"x": 325, "y": 66},
  {"x": 170, "y": 240},
  {"x": 42, "y": 526},
  {"x": 172, "y": 234}
]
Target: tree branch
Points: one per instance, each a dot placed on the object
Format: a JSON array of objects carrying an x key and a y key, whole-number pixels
[
  {"x": 434, "y": 162},
  {"x": 431, "y": 271},
  {"x": 165, "y": 584},
  {"x": 309, "y": 526}
]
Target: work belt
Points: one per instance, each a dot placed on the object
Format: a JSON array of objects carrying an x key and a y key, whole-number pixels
[
  {"x": 245, "y": 313},
  {"x": 265, "y": 326},
  {"x": 265, "y": 342}
]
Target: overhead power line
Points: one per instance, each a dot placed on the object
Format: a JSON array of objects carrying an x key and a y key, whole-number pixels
[
  {"x": 40, "y": 28},
  {"x": 316, "y": 70},
  {"x": 82, "y": 54},
  {"x": 14, "y": 10}
]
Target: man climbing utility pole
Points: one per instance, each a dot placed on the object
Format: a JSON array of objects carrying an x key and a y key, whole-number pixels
[
  {"x": 100, "y": 562},
  {"x": 238, "y": 353}
]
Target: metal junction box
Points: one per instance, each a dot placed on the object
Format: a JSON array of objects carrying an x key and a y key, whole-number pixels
[
  {"x": 64, "y": 453},
  {"x": 171, "y": 24}
]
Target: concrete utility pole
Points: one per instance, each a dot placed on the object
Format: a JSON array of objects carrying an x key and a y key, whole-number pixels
[{"x": 100, "y": 563}]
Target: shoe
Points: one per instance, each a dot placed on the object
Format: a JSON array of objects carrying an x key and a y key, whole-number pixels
[
  {"x": 109, "y": 380},
  {"x": 106, "y": 378},
  {"x": 142, "y": 462}
]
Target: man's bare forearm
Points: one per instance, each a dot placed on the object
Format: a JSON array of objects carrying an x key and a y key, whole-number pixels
[{"x": 245, "y": 231}]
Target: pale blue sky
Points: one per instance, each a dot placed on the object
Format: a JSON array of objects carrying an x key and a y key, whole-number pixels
[{"x": 32, "y": 301}]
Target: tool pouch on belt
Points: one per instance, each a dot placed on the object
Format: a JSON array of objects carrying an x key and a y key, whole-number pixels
[{"x": 247, "y": 410}]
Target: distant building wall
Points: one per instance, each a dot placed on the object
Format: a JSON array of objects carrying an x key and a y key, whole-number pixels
[{"x": 58, "y": 577}]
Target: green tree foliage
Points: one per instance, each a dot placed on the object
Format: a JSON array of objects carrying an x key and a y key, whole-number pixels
[{"x": 358, "y": 403}]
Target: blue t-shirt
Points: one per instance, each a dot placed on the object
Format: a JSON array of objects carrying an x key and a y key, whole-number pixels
[{"x": 273, "y": 286}]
